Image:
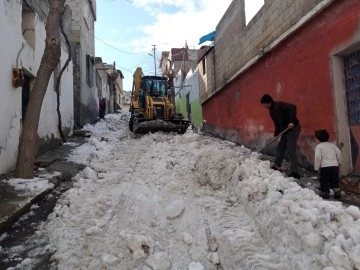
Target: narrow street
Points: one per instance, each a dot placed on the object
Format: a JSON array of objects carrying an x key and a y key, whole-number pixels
[
  {"x": 168, "y": 201},
  {"x": 120, "y": 140},
  {"x": 142, "y": 196}
]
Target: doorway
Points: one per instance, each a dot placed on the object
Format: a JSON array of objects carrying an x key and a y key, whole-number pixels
[
  {"x": 351, "y": 63},
  {"x": 188, "y": 106}
]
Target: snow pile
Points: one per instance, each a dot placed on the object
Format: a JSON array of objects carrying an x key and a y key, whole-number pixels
[
  {"x": 165, "y": 201},
  {"x": 216, "y": 170},
  {"x": 31, "y": 187},
  {"x": 105, "y": 134},
  {"x": 308, "y": 232},
  {"x": 175, "y": 209}
]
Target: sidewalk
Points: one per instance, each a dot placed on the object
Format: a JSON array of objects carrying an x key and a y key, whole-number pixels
[
  {"x": 55, "y": 169},
  {"x": 52, "y": 169}
]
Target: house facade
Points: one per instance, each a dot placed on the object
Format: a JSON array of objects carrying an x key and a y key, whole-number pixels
[
  {"x": 178, "y": 59},
  {"x": 22, "y": 28},
  {"x": 102, "y": 81},
  {"x": 83, "y": 56},
  {"x": 179, "y": 65},
  {"x": 111, "y": 85},
  {"x": 302, "y": 52},
  {"x": 187, "y": 97}
]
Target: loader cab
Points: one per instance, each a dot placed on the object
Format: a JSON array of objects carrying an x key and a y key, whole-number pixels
[{"x": 154, "y": 86}]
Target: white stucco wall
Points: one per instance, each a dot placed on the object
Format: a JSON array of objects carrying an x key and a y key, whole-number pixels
[
  {"x": 88, "y": 94},
  {"x": 192, "y": 80},
  {"x": 178, "y": 84},
  {"x": 11, "y": 100},
  {"x": 48, "y": 117}
]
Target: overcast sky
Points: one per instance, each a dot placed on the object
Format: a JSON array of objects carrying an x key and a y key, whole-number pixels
[{"x": 126, "y": 30}]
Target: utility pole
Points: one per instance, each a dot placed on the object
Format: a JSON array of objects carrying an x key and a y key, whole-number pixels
[{"x": 154, "y": 48}]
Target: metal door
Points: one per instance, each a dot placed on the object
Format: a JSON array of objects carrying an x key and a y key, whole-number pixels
[
  {"x": 188, "y": 106},
  {"x": 352, "y": 86}
]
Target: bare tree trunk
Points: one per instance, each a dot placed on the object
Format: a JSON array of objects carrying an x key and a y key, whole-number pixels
[{"x": 50, "y": 59}]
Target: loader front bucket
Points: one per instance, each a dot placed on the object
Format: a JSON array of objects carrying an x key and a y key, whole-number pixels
[{"x": 179, "y": 126}]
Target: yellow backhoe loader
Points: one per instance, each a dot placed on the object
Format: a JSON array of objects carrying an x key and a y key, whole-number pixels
[{"x": 151, "y": 107}]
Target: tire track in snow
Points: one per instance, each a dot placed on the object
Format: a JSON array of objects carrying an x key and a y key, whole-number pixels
[
  {"x": 241, "y": 246},
  {"x": 130, "y": 198}
]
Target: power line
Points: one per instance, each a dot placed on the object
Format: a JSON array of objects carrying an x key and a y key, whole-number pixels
[{"x": 115, "y": 47}]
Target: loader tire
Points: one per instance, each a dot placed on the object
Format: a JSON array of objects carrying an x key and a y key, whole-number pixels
[
  {"x": 131, "y": 125},
  {"x": 181, "y": 131}
]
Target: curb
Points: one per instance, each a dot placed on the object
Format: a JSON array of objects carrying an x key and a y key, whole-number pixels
[{"x": 9, "y": 220}]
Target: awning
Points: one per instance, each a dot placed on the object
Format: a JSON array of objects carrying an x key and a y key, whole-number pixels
[{"x": 208, "y": 37}]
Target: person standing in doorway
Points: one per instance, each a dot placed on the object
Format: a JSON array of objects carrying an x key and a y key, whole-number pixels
[
  {"x": 102, "y": 108},
  {"x": 284, "y": 117}
]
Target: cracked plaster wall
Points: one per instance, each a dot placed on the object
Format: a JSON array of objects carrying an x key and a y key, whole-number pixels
[{"x": 12, "y": 55}]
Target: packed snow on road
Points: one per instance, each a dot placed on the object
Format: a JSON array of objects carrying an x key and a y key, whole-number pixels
[{"x": 168, "y": 201}]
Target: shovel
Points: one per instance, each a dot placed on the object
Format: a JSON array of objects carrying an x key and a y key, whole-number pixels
[{"x": 274, "y": 139}]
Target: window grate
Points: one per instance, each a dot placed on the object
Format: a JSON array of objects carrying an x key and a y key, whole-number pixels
[{"x": 352, "y": 86}]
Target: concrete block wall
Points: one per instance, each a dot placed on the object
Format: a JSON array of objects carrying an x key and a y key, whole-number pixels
[
  {"x": 207, "y": 81},
  {"x": 237, "y": 43}
]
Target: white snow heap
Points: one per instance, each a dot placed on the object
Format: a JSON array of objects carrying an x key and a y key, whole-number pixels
[
  {"x": 175, "y": 209},
  {"x": 142, "y": 201},
  {"x": 196, "y": 266},
  {"x": 216, "y": 170},
  {"x": 140, "y": 246},
  {"x": 159, "y": 261},
  {"x": 303, "y": 228}
]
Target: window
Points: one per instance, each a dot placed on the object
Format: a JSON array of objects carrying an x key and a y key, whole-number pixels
[
  {"x": 352, "y": 86},
  {"x": 204, "y": 66},
  {"x": 28, "y": 24},
  {"x": 188, "y": 106},
  {"x": 90, "y": 70}
]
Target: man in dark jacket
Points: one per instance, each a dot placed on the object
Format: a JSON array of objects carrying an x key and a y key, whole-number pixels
[{"x": 284, "y": 116}]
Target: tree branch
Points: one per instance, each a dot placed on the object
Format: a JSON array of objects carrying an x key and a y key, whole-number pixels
[{"x": 58, "y": 79}]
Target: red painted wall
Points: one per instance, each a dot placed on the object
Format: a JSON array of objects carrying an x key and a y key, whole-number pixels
[{"x": 296, "y": 71}]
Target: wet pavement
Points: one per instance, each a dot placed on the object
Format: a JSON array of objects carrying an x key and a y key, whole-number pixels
[
  {"x": 24, "y": 243},
  {"x": 52, "y": 166},
  {"x": 22, "y": 215}
]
